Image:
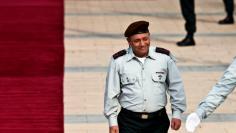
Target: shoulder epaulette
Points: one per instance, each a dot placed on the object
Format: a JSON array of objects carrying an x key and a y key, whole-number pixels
[
  {"x": 163, "y": 51},
  {"x": 119, "y": 54}
]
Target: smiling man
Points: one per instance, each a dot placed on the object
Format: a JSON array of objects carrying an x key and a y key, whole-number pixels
[{"x": 138, "y": 81}]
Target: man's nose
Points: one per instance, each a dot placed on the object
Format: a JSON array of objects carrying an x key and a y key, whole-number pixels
[{"x": 142, "y": 43}]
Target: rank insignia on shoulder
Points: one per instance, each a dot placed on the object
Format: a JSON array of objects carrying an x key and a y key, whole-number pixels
[
  {"x": 162, "y": 50},
  {"x": 119, "y": 54}
]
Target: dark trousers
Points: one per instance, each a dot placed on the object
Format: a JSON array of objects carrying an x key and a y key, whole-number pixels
[
  {"x": 229, "y": 7},
  {"x": 188, "y": 12},
  {"x": 132, "y": 122}
]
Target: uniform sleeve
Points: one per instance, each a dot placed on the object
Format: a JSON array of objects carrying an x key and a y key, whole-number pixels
[
  {"x": 176, "y": 90},
  {"x": 112, "y": 91},
  {"x": 219, "y": 92}
]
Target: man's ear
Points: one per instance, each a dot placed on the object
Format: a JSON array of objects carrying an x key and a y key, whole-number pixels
[
  {"x": 130, "y": 44},
  {"x": 128, "y": 39}
]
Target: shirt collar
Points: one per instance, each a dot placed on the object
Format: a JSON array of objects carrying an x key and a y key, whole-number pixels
[
  {"x": 131, "y": 55},
  {"x": 152, "y": 53}
]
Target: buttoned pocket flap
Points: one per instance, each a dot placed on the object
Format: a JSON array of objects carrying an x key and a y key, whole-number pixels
[
  {"x": 159, "y": 77},
  {"x": 128, "y": 79}
]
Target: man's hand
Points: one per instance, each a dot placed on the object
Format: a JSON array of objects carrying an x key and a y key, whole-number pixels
[
  {"x": 114, "y": 129},
  {"x": 175, "y": 123},
  {"x": 192, "y": 122}
]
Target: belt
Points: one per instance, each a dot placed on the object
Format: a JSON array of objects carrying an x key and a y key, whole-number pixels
[{"x": 144, "y": 115}]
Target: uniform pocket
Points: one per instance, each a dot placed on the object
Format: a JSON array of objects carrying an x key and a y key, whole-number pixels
[
  {"x": 159, "y": 77},
  {"x": 128, "y": 79}
]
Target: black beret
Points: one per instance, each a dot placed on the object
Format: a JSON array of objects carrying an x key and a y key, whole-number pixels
[{"x": 137, "y": 27}]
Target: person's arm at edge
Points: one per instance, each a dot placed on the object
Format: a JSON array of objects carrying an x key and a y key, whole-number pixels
[
  {"x": 219, "y": 92},
  {"x": 112, "y": 91}
]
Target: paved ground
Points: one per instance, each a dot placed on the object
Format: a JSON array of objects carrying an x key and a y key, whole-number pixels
[{"x": 94, "y": 31}]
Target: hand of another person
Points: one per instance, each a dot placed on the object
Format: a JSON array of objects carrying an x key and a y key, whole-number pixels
[
  {"x": 114, "y": 129},
  {"x": 175, "y": 123},
  {"x": 192, "y": 122}
]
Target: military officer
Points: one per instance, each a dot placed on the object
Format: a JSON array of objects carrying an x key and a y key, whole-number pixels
[
  {"x": 138, "y": 81},
  {"x": 216, "y": 96}
]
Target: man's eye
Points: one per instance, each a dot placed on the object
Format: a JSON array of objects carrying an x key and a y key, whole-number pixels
[{"x": 145, "y": 39}]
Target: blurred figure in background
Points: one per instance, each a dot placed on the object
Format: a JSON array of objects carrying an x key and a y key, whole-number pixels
[
  {"x": 229, "y": 8},
  {"x": 189, "y": 15},
  {"x": 188, "y": 12}
]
